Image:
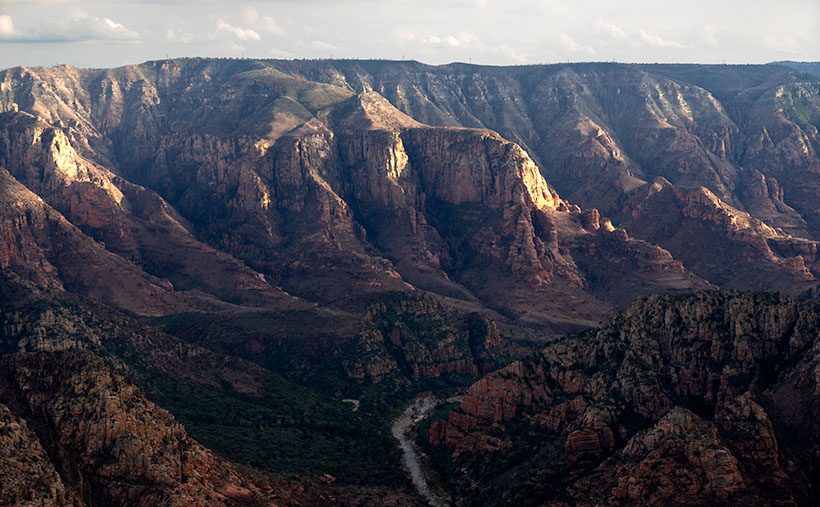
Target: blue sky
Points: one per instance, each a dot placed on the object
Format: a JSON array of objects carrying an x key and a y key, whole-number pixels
[{"x": 96, "y": 33}]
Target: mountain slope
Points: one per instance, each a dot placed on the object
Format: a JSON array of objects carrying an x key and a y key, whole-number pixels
[
  {"x": 318, "y": 191},
  {"x": 679, "y": 400},
  {"x": 110, "y": 444},
  {"x": 748, "y": 134}
]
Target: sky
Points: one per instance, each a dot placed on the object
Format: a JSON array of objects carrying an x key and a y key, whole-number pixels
[{"x": 110, "y": 33}]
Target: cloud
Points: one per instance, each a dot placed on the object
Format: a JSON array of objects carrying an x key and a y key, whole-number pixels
[
  {"x": 710, "y": 35},
  {"x": 243, "y": 34},
  {"x": 77, "y": 29},
  {"x": 250, "y": 15},
  {"x": 6, "y": 26},
  {"x": 609, "y": 28},
  {"x": 280, "y": 53},
  {"x": 176, "y": 35},
  {"x": 320, "y": 45},
  {"x": 461, "y": 40},
  {"x": 568, "y": 43},
  {"x": 269, "y": 25},
  {"x": 514, "y": 54},
  {"x": 782, "y": 44},
  {"x": 658, "y": 42},
  {"x": 12, "y": 2},
  {"x": 266, "y": 23}
]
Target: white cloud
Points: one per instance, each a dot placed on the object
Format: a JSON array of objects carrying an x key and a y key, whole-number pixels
[
  {"x": 514, "y": 54},
  {"x": 658, "y": 42},
  {"x": 320, "y": 45},
  {"x": 177, "y": 35},
  {"x": 6, "y": 26},
  {"x": 460, "y": 40},
  {"x": 12, "y": 2},
  {"x": 252, "y": 17},
  {"x": 609, "y": 28},
  {"x": 710, "y": 35},
  {"x": 569, "y": 44},
  {"x": 270, "y": 25},
  {"x": 782, "y": 44},
  {"x": 278, "y": 53},
  {"x": 243, "y": 34},
  {"x": 77, "y": 29},
  {"x": 108, "y": 29}
]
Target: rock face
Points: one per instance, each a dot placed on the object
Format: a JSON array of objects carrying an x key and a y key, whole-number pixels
[
  {"x": 37, "y": 320},
  {"x": 691, "y": 399},
  {"x": 599, "y": 131},
  {"x": 110, "y": 445},
  {"x": 744, "y": 252},
  {"x": 275, "y": 177},
  {"x": 27, "y": 474},
  {"x": 39, "y": 243},
  {"x": 306, "y": 187},
  {"x": 422, "y": 338},
  {"x": 127, "y": 220},
  {"x": 196, "y": 383}
]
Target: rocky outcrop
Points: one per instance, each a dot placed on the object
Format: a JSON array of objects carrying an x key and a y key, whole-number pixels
[
  {"x": 195, "y": 382},
  {"x": 110, "y": 445},
  {"x": 451, "y": 207},
  {"x": 200, "y": 184},
  {"x": 417, "y": 337},
  {"x": 42, "y": 245},
  {"x": 128, "y": 220},
  {"x": 74, "y": 432},
  {"x": 26, "y": 473},
  {"x": 677, "y": 398},
  {"x": 717, "y": 241},
  {"x": 679, "y": 461},
  {"x": 35, "y": 320}
]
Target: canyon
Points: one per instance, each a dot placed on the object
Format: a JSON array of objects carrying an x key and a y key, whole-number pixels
[{"x": 276, "y": 239}]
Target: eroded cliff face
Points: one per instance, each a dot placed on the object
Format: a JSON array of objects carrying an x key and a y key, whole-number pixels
[
  {"x": 93, "y": 439},
  {"x": 125, "y": 219},
  {"x": 728, "y": 246},
  {"x": 598, "y": 131},
  {"x": 42, "y": 245},
  {"x": 226, "y": 186},
  {"x": 26, "y": 472},
  {"x": 309, "y": 189},
  {"x": 692, "y": 388},
  {"x": 419, "y": 338}
]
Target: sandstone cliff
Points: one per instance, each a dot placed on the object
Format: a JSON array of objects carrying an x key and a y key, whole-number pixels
[
  {"x": 129, "y": 221},
  {"x": 679, "y": 400},
  {"x": 598, "y": 131},
  {"x": 727, "y": 246},
  {"x": 110, "y": 445},
  {"x": 303, "y": 186},
  {"x": 219, "y": 188}
]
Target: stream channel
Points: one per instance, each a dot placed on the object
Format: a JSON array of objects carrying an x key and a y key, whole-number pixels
[{"x": 400, "y": 428}]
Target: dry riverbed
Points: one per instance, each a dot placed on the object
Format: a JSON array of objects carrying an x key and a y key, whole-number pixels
[{"x": 401, "y": 428}]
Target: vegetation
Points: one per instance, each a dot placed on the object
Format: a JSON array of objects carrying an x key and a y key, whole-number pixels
[{"x": 290, "y": 428}]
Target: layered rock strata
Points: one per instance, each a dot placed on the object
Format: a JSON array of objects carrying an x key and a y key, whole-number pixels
[{"x": 679, "y": 400}]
